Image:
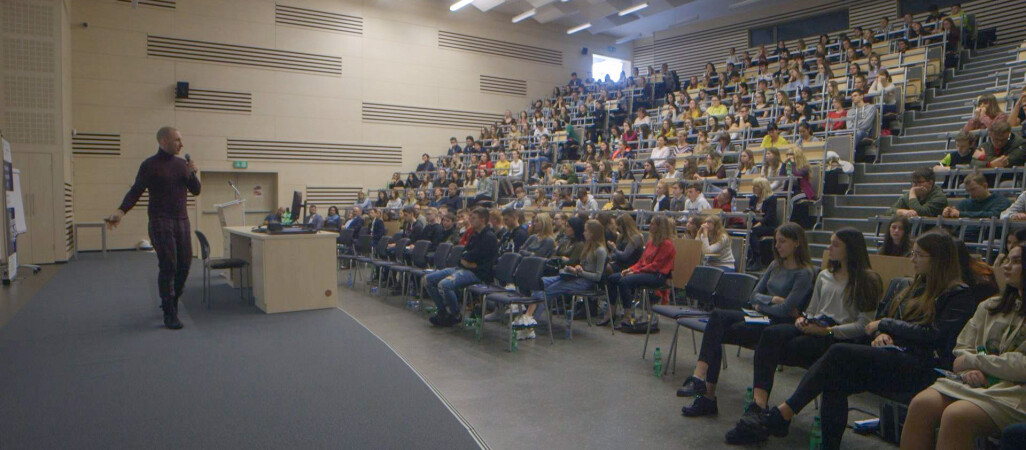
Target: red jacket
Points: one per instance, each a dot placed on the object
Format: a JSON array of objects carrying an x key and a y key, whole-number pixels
[{"x": 656, "y": 258}]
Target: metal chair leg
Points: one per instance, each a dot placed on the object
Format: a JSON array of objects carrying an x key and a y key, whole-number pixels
[
  {"x": 694, "y": 348},
  {"x": 648, "y": 315},
  {"x": 569, "y": 317},
  {"x": 548, "y": 308}
]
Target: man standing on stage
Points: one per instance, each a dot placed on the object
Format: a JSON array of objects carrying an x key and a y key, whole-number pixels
[{"x": 167, "y": 178}]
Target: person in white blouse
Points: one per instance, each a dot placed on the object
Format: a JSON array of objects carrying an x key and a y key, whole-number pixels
[
  {"x": 716, "y": 244},
  {"x": 516, "y": 167},
  {"x": 887, "y": 91},
  {"x": 661, "y": 153}
]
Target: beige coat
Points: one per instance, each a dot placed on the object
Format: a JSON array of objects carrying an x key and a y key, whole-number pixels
[{"x": 1005, "y": 401}]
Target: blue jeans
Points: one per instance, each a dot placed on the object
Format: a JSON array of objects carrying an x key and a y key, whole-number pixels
[
  {"x": 556, "y": 286},
  {"x": 443, "y": 284},
  {"x": 1014, "y": 437},
  {"x": 623, "y": 287}
]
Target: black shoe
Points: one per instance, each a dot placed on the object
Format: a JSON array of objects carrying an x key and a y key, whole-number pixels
[
  {"x": 452, "y": 321},
  {"x": 171, "y": 321},
  {"x": 702, "y": 406},
  {"x": 604, "y": 322},
  {"x": 753, "y": 409},
  {"x": 692, "y": 386},
  {"x": 437, "y": 319},
  {"x": 756, "y": 428}
]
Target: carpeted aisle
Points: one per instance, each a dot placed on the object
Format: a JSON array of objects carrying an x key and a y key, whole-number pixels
[{"x": 87, "y": 364}]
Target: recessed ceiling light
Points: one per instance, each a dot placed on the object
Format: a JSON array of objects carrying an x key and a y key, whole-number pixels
[
  {"x": 744, "y": 3},
  {"x": 460, "y": 4},
  {"x": 525, "y": 15},
  {"x": 633, "y": 9},
  {"x": 579, "y": 28}
]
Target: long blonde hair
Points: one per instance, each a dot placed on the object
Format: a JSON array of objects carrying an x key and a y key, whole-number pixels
[
  {"x": 800, "y": 160},
  {"x": 542, "y": 224},
  {"x": 717, "y": 233},
  {"x": 765, "y": 189},
  {"x": 628, "y": 227},
  {"x": 660, "y": 229},
  {"x": 597, "y": 239}
]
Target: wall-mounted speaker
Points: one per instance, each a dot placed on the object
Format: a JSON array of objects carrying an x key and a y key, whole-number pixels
[
  {"x": 584, "y": 51},
  {"x": 182, "y": 89}
]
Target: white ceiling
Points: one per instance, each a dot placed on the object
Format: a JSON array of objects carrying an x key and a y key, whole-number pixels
[{"x": 602, "y": 14}]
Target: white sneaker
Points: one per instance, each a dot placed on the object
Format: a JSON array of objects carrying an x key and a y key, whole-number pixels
[
  {"x": 529, "y": 321},
  {"x": 516, "y": 309},
  {"x": 525, "y": 334},
  {"x": 530, "y": 334}
]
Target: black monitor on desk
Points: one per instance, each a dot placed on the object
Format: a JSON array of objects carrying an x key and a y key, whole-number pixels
[{"x": 297, "y": 205}]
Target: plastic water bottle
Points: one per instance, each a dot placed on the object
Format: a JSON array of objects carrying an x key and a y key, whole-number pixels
[
  {"x": 991, "y": 380},
  {"x": 514, "y": 338},
  {"x": 657, "y": 366},
  {"x": 749, "y": 397},
  {"x": 569, "y": 319},
  {"x": 816, "y": 436}
]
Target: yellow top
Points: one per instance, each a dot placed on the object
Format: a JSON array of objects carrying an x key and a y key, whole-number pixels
[
  {"x": 767, "y": 142},
  {"x": 720, "y": 110},
  {"x": 502, "y": 168}
]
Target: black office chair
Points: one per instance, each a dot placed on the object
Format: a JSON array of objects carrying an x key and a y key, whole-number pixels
[
  {"x": 528, "y": 279},
  {"x": 210, "y": 264}
]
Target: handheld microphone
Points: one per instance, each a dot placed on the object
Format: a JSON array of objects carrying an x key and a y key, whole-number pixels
[
  {"x": 187, "y": 157},
  {"x": 230, "y": 183}
]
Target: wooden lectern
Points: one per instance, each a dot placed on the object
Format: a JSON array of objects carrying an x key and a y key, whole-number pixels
[{"x": 231, "y": 214}]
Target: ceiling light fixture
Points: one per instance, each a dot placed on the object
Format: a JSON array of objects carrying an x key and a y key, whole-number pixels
[
  {"x": 579, "y": 28},
  {"x": 525, "y": 15},
  {"x": 744, "y": 3},
  {"x": 633, "y": 9},
  {"x": 460, "y": 4},
  {"x": 627, "y": 39}
]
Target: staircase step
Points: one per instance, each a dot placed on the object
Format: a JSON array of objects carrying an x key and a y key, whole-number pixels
[
  {"x": 941, "y": 104},
  {"x": 961, "y": 115},
  {"x": 860, "y": 200},
  {"x": 919, "y": 157},
  {"x": 836, "y": 223},
  {"x": 883, "y": 188},
  {"x": 880, "y": 178},
  {"x": 976, "y": 79},
  {"x": 974, "y": 88},
  {"x": 956, "y": 110},
  {"x": 887, "y": 166},
  {"x": 854, "y": 212}
]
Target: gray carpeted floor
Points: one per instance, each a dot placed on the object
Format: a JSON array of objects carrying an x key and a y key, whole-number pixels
[{"x": 87, "y": 364}]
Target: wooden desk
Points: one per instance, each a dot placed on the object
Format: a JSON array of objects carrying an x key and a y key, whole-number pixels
[{"x": 290, "y": 272}]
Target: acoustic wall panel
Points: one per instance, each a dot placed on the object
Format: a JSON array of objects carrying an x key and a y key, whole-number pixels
[
  {"x": 166, "y": 4},
  {"x": 96, "y": 144},
  {"x": 216, "y": 101},
  {"x": 499, "y": 85},
  {"x": 144, "y": 200},
  {"x": 457, "y": 41},
  {"x": 319, "y": 20},
  {"x": 325, "y": 196},
  {"x": 413, "y": 115},
  {"x": 268, "y": 150},
  {"x": 69, "y": 217},
  {"x": 214, "y": 52}
]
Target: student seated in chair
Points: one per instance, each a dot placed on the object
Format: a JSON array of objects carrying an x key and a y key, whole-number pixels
[
  {"x": 782, "y": 293},
  {"x": 923, "y": 199},
  {"x": 914, "y": 332},
  {"x": 1003, "y": 149},
  {"x": 314, "y": 220},
  {"x": 981, "y": 202},
  {"x": 476, "y": 266},
  {"x": 987, "y": 392},
  {"x": 843, "y": 302},
  {"x": 651, "y": 271}
]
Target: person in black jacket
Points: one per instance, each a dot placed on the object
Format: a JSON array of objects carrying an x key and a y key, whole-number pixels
[
  {"x": 377, "y": 226},
  {"x": 763, "y": 203},
  {"x": 433, "y": 231},
  {"x": 915, "y": 331},
  {"x": 356, "y": 222},
  {"x": 515, "y": 235},
  {"x": 476, "y": 266}
]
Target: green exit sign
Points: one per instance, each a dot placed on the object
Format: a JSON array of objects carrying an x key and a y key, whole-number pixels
[{"x": 240, "y": 164}]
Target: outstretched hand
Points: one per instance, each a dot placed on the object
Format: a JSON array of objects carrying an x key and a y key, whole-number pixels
[{"x": 114, "y": 219}]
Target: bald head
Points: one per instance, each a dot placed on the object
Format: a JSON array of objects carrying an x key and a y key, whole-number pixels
[{"x": 170, "y": 140}]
